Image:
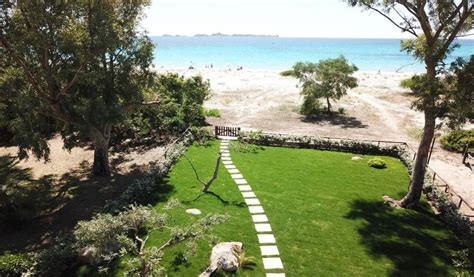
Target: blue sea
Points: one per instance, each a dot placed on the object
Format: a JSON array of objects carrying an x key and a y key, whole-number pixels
[{"x": 276, "y": 53}]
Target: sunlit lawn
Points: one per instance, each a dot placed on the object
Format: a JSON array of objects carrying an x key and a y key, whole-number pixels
[{"x": 325, "y": 209}]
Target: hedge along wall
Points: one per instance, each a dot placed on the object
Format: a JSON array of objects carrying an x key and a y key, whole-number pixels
[{"x": 447, "y": 210}]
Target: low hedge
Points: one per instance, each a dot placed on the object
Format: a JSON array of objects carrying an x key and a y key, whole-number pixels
[{"x": 457, "y": 140}]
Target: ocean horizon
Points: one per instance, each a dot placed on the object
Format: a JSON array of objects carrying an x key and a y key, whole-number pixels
[{"x": 280, "y": 53}]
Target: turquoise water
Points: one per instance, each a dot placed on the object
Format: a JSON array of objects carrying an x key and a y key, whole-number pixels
[{"x": 282, "y": 53}]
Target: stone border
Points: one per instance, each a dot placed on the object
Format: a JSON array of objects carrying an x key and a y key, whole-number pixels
[{"x": 272, "y": 262}]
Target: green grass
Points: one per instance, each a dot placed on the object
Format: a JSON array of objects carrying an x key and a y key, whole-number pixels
[
  {"x": 326, "y": 212},
  {"x": 224, "y": 198},
  {"x": 212, "y": 113},
  {"x": 329, "y": 219}
]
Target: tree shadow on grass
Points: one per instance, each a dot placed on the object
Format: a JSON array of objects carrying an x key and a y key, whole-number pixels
[
  {"x": 346, "y": 122},
  {"x": 414, "y": 240},
  {"x": 224, "y": 202}
]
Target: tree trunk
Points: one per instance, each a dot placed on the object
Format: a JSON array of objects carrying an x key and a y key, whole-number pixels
[
  {"x": 419, "y": 168},
  {"x": 101, "y": 165},
  {"x": 329, "y": 104},
  {"x": 415, "y": 188}
]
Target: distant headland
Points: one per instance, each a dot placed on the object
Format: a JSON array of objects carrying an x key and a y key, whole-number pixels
[{"x": 224, "y": 35}]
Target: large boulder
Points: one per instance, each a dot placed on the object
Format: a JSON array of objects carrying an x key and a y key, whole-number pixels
[{"x": 225, "y": 256}]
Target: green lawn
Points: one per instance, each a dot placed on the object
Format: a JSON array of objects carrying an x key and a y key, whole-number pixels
[{"x": 326, "y": 212}]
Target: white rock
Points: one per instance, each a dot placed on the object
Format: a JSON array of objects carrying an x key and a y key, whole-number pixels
[
  {"x": 356, "y": 158},
  {"x": 193, "y": 211},
  {"x": 224, "y": 256}
]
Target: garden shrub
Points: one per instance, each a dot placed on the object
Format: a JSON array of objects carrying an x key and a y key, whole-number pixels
[
  {"x": 213, "y": 113},
  {"x": 457, "y": 140},
  {"x": 377, "y": 163},
  {"x": 202, "y": 135},
  {"x": 12, "y": 265}
]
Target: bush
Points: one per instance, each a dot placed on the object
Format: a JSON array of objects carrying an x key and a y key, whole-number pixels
[
  {"x": 14, "y": 264},
  {"x": 457, "y": 140},
  {"x": 377, "y": 163},
  {"x": 213, "y": 113}
]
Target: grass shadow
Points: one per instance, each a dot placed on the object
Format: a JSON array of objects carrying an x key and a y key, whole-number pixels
[
  {"x": 415, "y": 241},
  {"x": 224, "y": 202},
  {"x": 346, "y": 122}
]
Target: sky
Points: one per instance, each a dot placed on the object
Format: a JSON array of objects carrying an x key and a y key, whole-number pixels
[{"x": 286, "y": 18}]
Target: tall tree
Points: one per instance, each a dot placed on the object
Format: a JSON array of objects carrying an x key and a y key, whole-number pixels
[
  {"x": 435, "y": 24},
  {"x": 84, "y": 65}
]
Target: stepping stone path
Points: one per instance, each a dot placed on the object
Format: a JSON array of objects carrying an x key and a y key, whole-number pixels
[{"x": 269, "y": 250}]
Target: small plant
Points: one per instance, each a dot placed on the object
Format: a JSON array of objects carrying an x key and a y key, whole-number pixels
[
  {"x": 212, "y": 113},
  {"x": 415, "y": 133},
  {"x": 377, "y": 163},
  {"x": 457, "y": 140},
  {"x": 341, "y": 110},
  {"x": 14, "y": 264},
  {"x": 202, "y": 135}
]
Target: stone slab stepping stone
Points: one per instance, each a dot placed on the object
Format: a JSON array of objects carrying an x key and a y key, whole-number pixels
[
  {"x": 193, "y": 211},
  {"x": 234, "y": 171},
  {"x": 225, "y": 155},
  {"x": 269, "y": 250},
  {"x": 248, "y": 194},
  {"x": 224, "y": 146},
  {"x": 237, "y": 176},
  {"x": 226, "y": 158},
  {"x": 275, "y": 275},
  {"x": 240, "y": 181},
  {"x": 263, "y": 227},
  {"x": 257, "y": 218},
  {"x": 227, "y": 162},
  {"x": 245, "y": 188},
  {"x": 266, "y": 239},
  {"x": 252, "y": 201},
  {"x": 256, "y": 209},
  {"x": 224, "y": 151},
  {"x": 272, "y": 263},
  {"x": 230, "y": 166}
]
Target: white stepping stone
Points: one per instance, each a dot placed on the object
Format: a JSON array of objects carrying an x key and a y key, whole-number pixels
[
  {"x": 258, "y": 218},
  {"x": 272, "y": 263},
  {"x": 256, "y": 209},
  {"x": 227, "y": 162},
  {"x": 248, "y": 194},
  {"x": 226, "y": 158},
  {"x": 233, "y": 171},
  {"x": 269, "y": 250},
  {"x": 224, "y": 146},
  {"x": 237, "y": 176},
  {"x": 266, "y": 239},
  {"x": 252, "y": 201},
  {"x": 245, "y": 188},
  {"x": 240, "y": 181},
  {"x": 275, "y": 275},
  {"x": 230, "y": 166},
  {"x": 263, "y": 227},
  {"x": 224, "y": 151},
  {"x": 225, "y": 154}
]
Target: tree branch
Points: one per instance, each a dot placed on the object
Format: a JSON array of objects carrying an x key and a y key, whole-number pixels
[
  {"x": 447, "y": 21},
  {"x": 389, "y": 19}
]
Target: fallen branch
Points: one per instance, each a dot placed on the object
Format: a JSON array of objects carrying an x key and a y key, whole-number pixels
[{"x": 207, "y": 184}]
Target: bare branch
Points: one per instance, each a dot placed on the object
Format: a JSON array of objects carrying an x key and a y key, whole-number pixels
[{"x": 389, "y": 19}]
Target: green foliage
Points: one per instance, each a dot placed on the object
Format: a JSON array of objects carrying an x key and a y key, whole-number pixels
[
  {"x": 16, "y": 186},
  {"x": 180, "y": 106},
  {"x": 213, "y": 113},
  {"x": 81, "y": 67},
  {"x": 457, "y": 140},
  {"x": 377, "y": 163},
  {"x": 329, "y": 79},
  {"x": 202, "y": 135},
  {"x": 415, "y": 133},
  {"x": 112, "y": 236},
  {"x": 13, "y": 265}
]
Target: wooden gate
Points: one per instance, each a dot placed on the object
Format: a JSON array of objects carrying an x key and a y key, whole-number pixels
[{"x": 227, "y": 131}]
